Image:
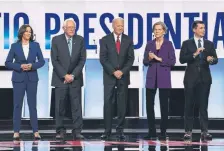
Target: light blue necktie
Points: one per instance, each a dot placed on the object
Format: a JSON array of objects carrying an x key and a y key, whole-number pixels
[{"x": 70, "y": 46}]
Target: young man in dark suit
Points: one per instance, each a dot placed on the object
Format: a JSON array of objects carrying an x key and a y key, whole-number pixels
[{"x": 198, "y": 53}]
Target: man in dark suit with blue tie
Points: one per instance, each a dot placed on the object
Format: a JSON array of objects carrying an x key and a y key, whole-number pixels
[
  {"x": 116, "y": 57},
  {"x": 68, "y": 55},
  {"x": 198, "y": 53}
]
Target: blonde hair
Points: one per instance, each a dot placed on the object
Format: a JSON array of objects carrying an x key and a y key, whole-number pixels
[{"x": 161, "y": 24}]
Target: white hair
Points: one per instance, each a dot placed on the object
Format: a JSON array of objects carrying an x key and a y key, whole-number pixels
[
  {"x": 117, "y": 18},
  {"x": 69, "y": 19}
]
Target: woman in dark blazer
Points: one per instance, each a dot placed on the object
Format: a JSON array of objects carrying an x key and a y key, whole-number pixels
[
  {"x": 159, "y": 56},
  {"x": 22, "y": 60}
]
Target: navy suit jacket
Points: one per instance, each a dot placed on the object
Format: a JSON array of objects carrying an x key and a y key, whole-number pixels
[{"x": 16, "y": 58}]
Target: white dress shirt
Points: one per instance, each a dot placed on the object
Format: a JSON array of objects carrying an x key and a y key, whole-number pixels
[
  {"x": 26, "y": 50},
  {"x": 196, "y": 41},
  {"x": 115, "y": 37}
]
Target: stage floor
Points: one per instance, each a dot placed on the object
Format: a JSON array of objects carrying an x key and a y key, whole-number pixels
[{"x": 92, "y": 142}]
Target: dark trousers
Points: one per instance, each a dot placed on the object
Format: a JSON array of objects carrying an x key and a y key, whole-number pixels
[
  {"x": 200, "y": 92},
  {"x": 109, "y": 99},
  {"x": 150, "y": 101},
  {"x": 19, "y": 89},
  {"x": 62, "y": 94}
]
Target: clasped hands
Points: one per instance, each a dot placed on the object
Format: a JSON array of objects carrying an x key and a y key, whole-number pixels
[
  {"x": 26, "y": 67},
  {"x": 153, "y": 56},
  {"x": 68, "y": 78},
  {"x": 118, "y": 74},
  {"x": 199, "y": 50}
]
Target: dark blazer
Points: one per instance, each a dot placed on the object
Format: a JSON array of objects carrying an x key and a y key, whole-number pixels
[
  {"x": 159, "y": 70},
  {"x": 64, "y": 64},
  {"x": 112, "y": 61},
  {"x": 193, "y": 64},
  {"x": 16, "y": 53}
]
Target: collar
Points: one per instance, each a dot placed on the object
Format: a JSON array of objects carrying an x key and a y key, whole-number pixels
[{"x": 115, "y": 36}]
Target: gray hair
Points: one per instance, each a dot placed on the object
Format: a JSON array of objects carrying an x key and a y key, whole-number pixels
[
  {"x": 117, "y": 18},
  {"x": 69, "y": 19},
  {"x": 161, "y": 24}
]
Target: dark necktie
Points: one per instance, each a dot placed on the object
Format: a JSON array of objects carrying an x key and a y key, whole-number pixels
[
  {"x": 201, "y": 54},
  {"x": 118, "y": 45}
]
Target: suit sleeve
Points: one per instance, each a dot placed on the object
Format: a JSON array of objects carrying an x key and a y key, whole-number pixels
[
  {"x": 185, "y": 55},
  {"x": 78, "y": 69},
  {"x": 146, "y": 60},
  {"x": 40, "y": 58},
  {"x": 130, "y": 59},
  {"x": 9, "y": 61},
  {"x": 214, "y": 55},
  {"x": 60, "y": 71},
  {"x": 171, "y": 60},
  {"x": 104, "y": 58}
]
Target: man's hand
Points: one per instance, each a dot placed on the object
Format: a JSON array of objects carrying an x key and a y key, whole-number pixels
[
  {"x": 210, "y": 59},
  {"x": 68, "y": 78},
  {"x": 118, "y": 74},
  {"x": 198, "y": 51}
]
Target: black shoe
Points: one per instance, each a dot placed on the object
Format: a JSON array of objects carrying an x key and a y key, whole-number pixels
[
  {"x": 163, "y": 137},
  {"x": 120, "y": 133},
  {"x": 121, "y": 136},
  {"x": 16, "y": 138},
  {"x": 78, "y": 136},
  {"x": 206, "y": 136},
  {"x": 105, "y": 136},
  {"x": 37, "y": 138},
  {"x": 188, "y": 136},
  {"x": 60, "y": 135}
]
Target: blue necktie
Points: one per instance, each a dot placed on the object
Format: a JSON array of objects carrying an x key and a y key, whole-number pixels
[
  {"x": 70, "y": 46},
  {"x": 201, "y": 54}
]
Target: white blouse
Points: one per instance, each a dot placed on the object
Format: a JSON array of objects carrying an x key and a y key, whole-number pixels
[{"x": 26, "y": 50}]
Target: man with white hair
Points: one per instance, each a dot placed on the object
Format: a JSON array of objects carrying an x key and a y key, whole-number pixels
[
  {"x": 68, "y": 55},
  {"x": 116, "y": 57}
]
